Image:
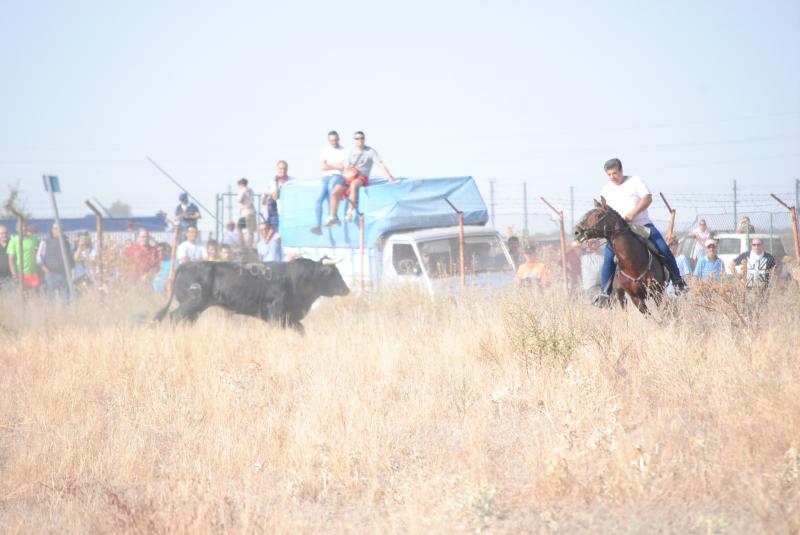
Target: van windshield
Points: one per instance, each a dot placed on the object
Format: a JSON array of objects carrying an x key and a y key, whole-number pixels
[
  {"x": 482, "y": 254},
  {"x": 729, "y": 246}
]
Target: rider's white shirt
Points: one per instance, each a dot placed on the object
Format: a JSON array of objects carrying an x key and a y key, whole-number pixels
[{"x": 624, "y": 197}]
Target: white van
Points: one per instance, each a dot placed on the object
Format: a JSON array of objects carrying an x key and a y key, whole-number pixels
[
  {"x": 428, "y": 259},
  {"x": 410, "y": 235}
]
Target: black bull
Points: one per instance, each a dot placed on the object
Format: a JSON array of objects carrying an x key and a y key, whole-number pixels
[{"x": 273, "y": 291}]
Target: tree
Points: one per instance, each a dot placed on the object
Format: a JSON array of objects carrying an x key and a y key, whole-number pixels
[
  {"x": 13, "y": 202},
  {"x": 120, "y": 209}
]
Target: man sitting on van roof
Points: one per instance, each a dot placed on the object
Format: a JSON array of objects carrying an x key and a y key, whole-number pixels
[{"x": 356, "y": 174}]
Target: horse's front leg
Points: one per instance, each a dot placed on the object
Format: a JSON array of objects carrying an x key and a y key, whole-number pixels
[
  {"x": 639, "y": 302},
  {"x": 621, "y": 297}
]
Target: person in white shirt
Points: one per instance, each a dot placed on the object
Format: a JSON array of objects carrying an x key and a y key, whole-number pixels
[
  {"x": 332, "y": 162},
  {"x": 271, "y": 200},
  {"x": 356, "y": 173},
  {"x": 190, "y": 250},
  {"x": 630, "y": 197},
  {"x": 591, "y": 266}
]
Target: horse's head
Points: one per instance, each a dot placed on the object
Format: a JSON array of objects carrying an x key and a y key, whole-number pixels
[{"x": 597, "y": 222}]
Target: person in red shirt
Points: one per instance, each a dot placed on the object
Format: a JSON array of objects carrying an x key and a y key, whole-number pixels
[{"x": 142, "y": 258}]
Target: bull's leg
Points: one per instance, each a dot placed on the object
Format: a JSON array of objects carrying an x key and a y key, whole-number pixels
[
  {"x": 191, "y": 308},
  {"x": 187, "y": 311}
]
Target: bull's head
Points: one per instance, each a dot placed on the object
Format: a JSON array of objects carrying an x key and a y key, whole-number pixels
[{"x": 331, "y": 280}]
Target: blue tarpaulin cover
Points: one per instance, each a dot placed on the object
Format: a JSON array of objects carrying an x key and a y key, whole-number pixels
[
  {"x": 87, "y": 223},
  {"x": 409, "y": 205}
]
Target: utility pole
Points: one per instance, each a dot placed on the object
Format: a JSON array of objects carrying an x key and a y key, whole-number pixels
[
  {"x": 572, "y": 207},
  {"x": 735, "y": 216},
  {"x": 525, "y": 207},
  {"x": 797, "y": 193},
  {"x": 491, "y": 200}
]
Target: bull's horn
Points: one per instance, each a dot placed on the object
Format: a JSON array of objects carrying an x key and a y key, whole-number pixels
[{"x": 329, "y": 261}]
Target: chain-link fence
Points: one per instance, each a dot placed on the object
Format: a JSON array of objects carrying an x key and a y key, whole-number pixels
[{"x": 774, "y": 227}]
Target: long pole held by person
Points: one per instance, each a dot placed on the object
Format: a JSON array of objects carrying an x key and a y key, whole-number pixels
[
  {"x": 52, "y": 186},
  {"x": 198, "y": 203}
]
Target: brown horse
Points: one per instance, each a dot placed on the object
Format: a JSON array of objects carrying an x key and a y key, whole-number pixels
[{"x": 640, "y": 273}]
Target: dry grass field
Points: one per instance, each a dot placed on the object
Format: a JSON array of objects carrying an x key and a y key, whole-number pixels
[{"x": 396, "y": 414}]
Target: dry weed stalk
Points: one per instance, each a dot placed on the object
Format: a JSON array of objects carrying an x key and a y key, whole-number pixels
[{"x": 401, "y": 414}]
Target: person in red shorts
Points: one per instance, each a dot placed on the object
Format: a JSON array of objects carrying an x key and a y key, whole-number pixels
[{"x": 355, "y": 175}]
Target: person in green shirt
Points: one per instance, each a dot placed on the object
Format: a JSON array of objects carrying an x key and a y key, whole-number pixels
[{"x": 30, "y": 269}]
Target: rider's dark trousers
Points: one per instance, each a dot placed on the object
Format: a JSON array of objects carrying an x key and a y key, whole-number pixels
[{"x": 656, "y": 239}]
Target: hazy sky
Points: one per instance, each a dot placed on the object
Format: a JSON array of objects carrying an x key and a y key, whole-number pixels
[{"x": 690, "y": 95}]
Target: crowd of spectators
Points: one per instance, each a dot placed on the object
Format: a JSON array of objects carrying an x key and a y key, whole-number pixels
[{"x": 255, "y": 236}]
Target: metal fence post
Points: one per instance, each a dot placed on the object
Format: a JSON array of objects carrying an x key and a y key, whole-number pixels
[
  {"x": 20, "y": 263},
  {"x": 671, "y": 217},
  {"x": 460, "y": 240},
  {"x": 560, "y": 214},
  {"x": 172, "y": 257},
  {"x": 98, "y": 217},
  {"x": 795, "y": 231}
]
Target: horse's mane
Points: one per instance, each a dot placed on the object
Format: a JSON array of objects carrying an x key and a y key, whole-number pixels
[{"x": 624, "y": 221}]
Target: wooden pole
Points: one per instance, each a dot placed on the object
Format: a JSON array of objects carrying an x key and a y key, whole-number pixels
[
  {"x": 461, "y": 247},
  {"x": 21, "y": 237},
  {"x": 795, "y": 231},
  {"x": 560, "y": 214},
  {"x": 460, "y": 241},
  {"x": 563, "y": 250},
  {"x": 172, "y": 257},
  {"x": 98, "y": 218},
  {"x": 361, "y": 232},
  {"x": 671, "y": 218}
]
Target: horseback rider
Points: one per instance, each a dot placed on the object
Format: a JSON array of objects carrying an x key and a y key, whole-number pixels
[{"x": 630, "y": 197}]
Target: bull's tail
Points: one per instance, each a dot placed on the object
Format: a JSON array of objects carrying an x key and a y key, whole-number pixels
[{"x": 163, "y": 312}]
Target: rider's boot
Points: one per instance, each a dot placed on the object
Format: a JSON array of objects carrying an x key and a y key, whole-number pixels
[
  {"x": 603, "y": 299},
  {"x": 678, "y": 283}
]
